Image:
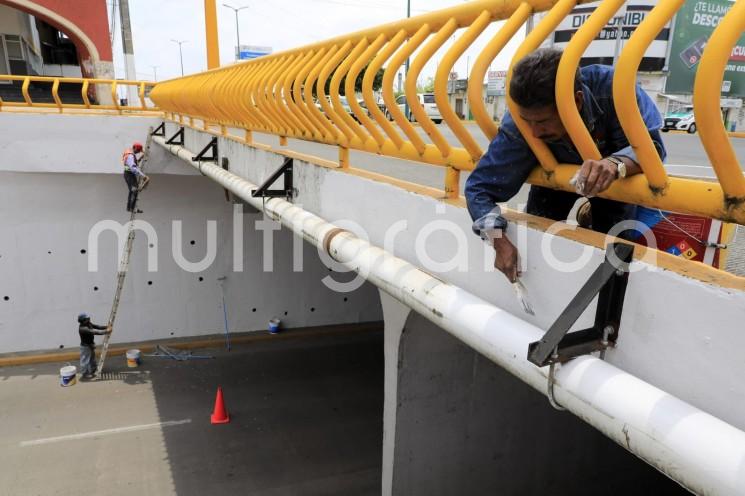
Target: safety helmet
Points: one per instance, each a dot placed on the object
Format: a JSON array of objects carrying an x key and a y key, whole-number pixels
[
  {"x": 136, "y": 146},
  {"x": 83, "y": 317}
]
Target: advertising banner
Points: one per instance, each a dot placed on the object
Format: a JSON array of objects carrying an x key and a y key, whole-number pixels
[{"x": 694, "y": 24}]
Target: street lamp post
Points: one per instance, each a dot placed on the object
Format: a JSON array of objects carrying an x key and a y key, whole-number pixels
[
  {"x": 155, "y": 72},
  {"x": 406, "y": 71},
  {"x": 237, "y": 31},
  {"x": 180, "y": 53}
]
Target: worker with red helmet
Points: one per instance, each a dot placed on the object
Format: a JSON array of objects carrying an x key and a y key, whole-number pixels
[{"x": 132, "y": 174}]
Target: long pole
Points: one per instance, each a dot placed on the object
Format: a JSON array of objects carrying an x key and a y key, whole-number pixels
[
  {"x": 237, "y": 30},
  {"x": 155, "y": 72},
  {"x": 213, "y": 44},
  {"x": 180, "y": 53},
  {"x": 406, "y": 74}
]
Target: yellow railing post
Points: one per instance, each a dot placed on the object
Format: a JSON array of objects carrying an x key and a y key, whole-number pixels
[
  {"x": 55, "y": 94},
  {"x": 24, "y": 91},
  {"x": 706, "y": 103},
  {"x": 624, "y": 92},
  {"x": 566, "y": 74}
]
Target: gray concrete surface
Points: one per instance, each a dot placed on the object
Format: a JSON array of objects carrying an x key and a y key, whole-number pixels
[{"x": 306, "y": 420}]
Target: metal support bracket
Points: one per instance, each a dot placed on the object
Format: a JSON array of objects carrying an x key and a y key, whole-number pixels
[
  {"x": 285, "y": 170},
  {"x": 608, "y": 283},
  {"x": 160, "y": 130},
  {"x": 178, "y": 136},
  {"x": 211, "y": 147}
]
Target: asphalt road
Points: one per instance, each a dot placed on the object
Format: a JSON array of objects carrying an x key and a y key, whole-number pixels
[{"x": 306, "y": 418}]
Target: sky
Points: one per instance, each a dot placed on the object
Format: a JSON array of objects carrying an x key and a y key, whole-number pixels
[{"x": 280, "y": 24}]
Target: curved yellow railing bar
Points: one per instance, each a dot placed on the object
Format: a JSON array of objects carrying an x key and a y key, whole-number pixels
[
  {"x": 706, "y": 95},
  {"x": 624, "y": 93},
  {"x": 565, "y": 76},
  {"x": 390, "y": 102},
  {"x": 331, "y": 60},
  {"x": 308, "y": 61},
  {"x": 344, "y": 133},
  {"x": 360, "y": 135},
  {"x": 441, "y": 83},
  {"x": 412, "y": 98},
  {"x": 306, "y": 126},
  {"x": 367, "y": 89},
  {"x": 544, "y": 28},
  {"x": 349, "y": 93},
  {"x": 492, "y": 49},
  {"x": 309, "y": 83},
  {"x": 24, "y": 90},
  {"x": 55, "y": 94}
]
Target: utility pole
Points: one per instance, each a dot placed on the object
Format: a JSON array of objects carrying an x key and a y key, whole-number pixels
[
  {"x": 155, "y": 72},
  {"x": 237, "y": 31},
  {"x": 406, "y": 105},
  {"x": 129, "y": 54},
  {"x": 180, "y": 53}
]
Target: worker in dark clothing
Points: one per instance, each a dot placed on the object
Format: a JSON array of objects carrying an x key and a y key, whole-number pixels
[
  {"x": 132, "y": 174},
  {"x": 509, "y": 160},
  {"x": 88, "y": 330}
]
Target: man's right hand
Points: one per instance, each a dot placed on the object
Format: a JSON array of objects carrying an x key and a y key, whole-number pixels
[{"x": 506, "y": 259}]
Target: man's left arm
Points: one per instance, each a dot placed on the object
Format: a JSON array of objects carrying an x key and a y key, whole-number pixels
[
  {"x": 100, "y": 328},
  {"x": 600, "y": 174}
]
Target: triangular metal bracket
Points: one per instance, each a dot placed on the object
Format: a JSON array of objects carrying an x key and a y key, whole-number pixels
[
  {"x": 160, "y": 130},
  {"x": 608, "y": 283},
  {"x": 178, "y": 136},
  {"x": 211, "y": 147},
  {"x": 286, "y": 171}
]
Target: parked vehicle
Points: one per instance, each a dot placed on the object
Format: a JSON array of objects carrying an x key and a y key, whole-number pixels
[
  {"x": 428, "y": 102},
  {"x": 683, "y": 120}
]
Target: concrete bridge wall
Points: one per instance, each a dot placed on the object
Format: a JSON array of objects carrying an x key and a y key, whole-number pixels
[{"x": 57, "y": 186}]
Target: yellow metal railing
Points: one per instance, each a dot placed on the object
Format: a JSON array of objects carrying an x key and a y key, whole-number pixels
[
  {"x": 296, "y": 93},
  {"x": 105, "y": 89}
]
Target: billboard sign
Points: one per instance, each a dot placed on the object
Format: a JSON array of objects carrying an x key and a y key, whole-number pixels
[
  {"x": 248, "y": 52},
  {"x": 607, "y": 43},
  {"x": 495, "y": 83},
  {"x": 694, "y": 24}
]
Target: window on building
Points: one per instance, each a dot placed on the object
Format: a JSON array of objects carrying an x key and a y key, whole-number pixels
[{"x": 14, "y": 47}]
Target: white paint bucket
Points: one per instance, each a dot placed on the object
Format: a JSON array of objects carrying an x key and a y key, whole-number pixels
[
  {"x": 133, "y": 358},
  {"x": 68, "y": 375},
  {"x": 274, "y": 325}
]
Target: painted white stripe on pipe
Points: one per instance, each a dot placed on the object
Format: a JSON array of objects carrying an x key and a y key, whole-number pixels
[
  {"x": 105, "y": 432},
  {"x": 700, "y": 451}
]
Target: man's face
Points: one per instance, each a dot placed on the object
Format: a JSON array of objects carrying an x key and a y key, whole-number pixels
[{"x": 545, "y": 123}]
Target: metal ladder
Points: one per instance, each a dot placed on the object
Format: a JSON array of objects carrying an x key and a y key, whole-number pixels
[{"x": 123, "y": 265}]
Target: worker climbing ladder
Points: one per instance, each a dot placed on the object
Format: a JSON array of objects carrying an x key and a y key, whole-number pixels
[{"x": 124, "y": 263}]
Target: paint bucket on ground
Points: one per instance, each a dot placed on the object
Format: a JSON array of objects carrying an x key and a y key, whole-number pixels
[
  {"x": 68, "y": 375},
  {"x": 274, "y": 326},
  {"x": 133, "y": 358}
]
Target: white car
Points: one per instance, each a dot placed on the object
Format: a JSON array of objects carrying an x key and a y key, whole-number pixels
[{"x": 428, "y": 102}]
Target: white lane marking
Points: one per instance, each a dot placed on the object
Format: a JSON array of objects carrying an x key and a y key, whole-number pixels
[{"x": 105, "y": 432}]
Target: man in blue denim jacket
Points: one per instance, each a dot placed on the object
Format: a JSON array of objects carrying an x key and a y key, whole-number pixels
[{"x": 509, "y": 160}]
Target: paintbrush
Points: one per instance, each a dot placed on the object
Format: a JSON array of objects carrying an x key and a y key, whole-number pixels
[{"x": 522, "y": 296}]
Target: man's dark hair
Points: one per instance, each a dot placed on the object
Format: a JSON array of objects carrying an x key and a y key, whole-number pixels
[{"x": 533, "y": 82}]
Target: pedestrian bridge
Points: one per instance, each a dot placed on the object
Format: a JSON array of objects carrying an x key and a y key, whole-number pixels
[{"x": 458, "y": 417}]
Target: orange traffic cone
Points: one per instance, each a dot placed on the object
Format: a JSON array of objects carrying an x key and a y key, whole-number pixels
[{"x": 219, "y": 415}]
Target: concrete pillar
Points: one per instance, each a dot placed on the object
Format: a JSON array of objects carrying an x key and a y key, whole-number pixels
[
  {"x": 394, "y": 318},
  {"x": 462, "y": 425}
]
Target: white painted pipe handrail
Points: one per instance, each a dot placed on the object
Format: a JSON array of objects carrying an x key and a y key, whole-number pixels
[{"x": 698, "y": 450}]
